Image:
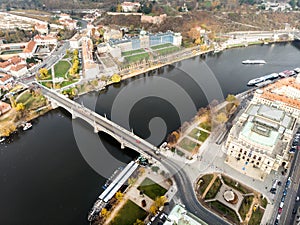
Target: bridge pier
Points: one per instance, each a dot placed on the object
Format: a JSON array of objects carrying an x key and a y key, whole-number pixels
[{"x": 73, "y": 116}]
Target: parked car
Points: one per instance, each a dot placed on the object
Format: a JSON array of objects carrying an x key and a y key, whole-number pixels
[
  {"x": 294, "y": 211},
  {"x": 279, "y": 210},
  {"x": 297, "y": 198},
  {"x": 284, "y": 192}
]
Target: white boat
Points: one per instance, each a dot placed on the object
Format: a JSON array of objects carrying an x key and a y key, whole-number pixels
[
  {"x": 27, "y": 126},
  {"x": 256, "y": 61},
  {"x": 2, "y": 139},
  {"x": 263, "y": 78},
  {"x": 297, "y": 70}
]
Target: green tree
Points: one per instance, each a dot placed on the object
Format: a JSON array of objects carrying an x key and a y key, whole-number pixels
[
  {"x": 115, "y": 78},
  {"x": 119, "y": 196},
  {"x": 138, "y": 222}
]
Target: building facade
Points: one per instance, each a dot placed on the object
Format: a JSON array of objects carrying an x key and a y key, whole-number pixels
[{"x": 261, "y": 138}]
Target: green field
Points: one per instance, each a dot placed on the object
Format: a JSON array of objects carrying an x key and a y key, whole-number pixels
[
  {"x": 61, "y": 68},
  {"x": 161, "y": 46},
  {"x": 256, "y": 217},
  {"x": 151, "y": 189},
  {"x": 246, "y": 204},
  {"x": 206, "y": 179},
  {"x": 166, "y": 51},
  {"x": 137, "y": 58},
  {"x": 215, "y": 187},
  {"x": 224, "y": 210},
  {"x": 128, "y": 214},
  {"x": 202, "y": 137},
  {"x": 13, "y": 51},
  {"x": 205, "y": 126},
  {"x": 235, "y": 185},
  {"x": 128, "y": 53},
  {"x": 188, "y": 144}
]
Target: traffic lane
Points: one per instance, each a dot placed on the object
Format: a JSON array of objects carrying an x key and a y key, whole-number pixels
[{"x": 187, "y": 194}]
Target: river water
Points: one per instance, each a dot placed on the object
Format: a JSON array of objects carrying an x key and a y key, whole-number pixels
[{"x": 45, "y": 180}]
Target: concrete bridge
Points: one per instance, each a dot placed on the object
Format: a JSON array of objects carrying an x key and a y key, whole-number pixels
[{"x": 100, "y": 123}]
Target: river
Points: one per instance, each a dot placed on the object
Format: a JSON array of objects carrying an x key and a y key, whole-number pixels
[{"x": 43, "y": 176}]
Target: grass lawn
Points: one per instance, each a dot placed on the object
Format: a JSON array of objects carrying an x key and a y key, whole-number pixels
[
  {"x": 256, "y": 217},
  {"x": 166, "y": 51},
  {"x": 215, "y": 187},
  {"x": 202, "y": 137},
  {"x": 188, "y": 144},
  {"x": 61, "y": 68},
  {"x": 264, "y": 202},
  {"x": 151, "y": 189},
  {"x": 244, "y": 209},
  {"x": 128, "y": 53},
  {"x": 238, "y": 187},
  {"x": 205, "y": 182},
  {"x": 128, "y": 214},
  {"x": 225, "y": 211},
  {"x": 136, "y": 58},
  {"x": 66, "y": 83},
  {"x": 161, "y": 46},
  {"x": 12, "y": 51},
  {"x": 23, "y": 97},
  {"x": 205, "y": 126}
]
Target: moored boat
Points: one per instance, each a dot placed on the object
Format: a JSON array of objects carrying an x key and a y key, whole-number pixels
[
  {"x": 2, "y": 139},
  {"x": 27, "y": 126}
]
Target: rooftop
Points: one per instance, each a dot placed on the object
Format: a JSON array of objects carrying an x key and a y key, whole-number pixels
[{"x": 181, "y": 216}]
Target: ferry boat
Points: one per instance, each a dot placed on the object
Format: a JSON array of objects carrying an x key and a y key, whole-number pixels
[
  {"x": 2, "y": 139},
  {"x": 27, "y": 126},
  {"x": 263, "y": 78},
  {"x": 256, "y": 61}
]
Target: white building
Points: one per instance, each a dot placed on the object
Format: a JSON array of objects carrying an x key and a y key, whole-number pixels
[
  {"x": 18, "y": 70},
  {"x": 45, "y": 40},
  {"x": 130, "y": 6},
  {"x": 75, "y": 41}
]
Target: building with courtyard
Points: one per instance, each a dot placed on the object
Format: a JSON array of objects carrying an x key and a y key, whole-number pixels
[
  {"x": 259, "y": 141},
  {"x": 144, "y": 40}
]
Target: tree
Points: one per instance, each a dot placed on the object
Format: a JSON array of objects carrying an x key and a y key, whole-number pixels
[
  {"x": 119, "y": 196},
  {"x": 221, "y": 117},
  {"x": 160, "y": 201},
  {"x": 230, "y": 98},
  {"x": 119, "y": 8},
  {"x": 153, "y": 209},
  {"x": 104, "y": 213},
  {"x": 138, "y": 222},
  {"x": 116, "y": 78},
  {"x": 44, "y": 73},
  {"x": 20, "y": 107}
]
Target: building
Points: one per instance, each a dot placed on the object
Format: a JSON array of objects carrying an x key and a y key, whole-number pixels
[
  {"x": 5, "y": 80},
  {"x": 283, "y": 94},
  {"x": 130, "y": 6},
  {"x": 112, "y": 34},
  {"x": 45, "y": 40},
  {"x": 75, "y": 41},
  {"x": 18, "y": 70},
  {"x": 41, "y": 28},
  {"x": 144, "y": 40},
  {"x": 7, "y": 65},
  {"x": 67, "y": 21},
  {"x": 4, "y": 107},
  {"x": 180, "y": 216},
  {"x": 259, "y": 141},
  {"x": 30, "y": 49}
]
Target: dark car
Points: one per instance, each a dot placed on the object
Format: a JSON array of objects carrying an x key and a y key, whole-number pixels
[
  {"x": 279, "y": 183},
  {"x": 294, "y": 211},
  {"x": 284, "y": 192},
  {"x": 276, "y": 222}
]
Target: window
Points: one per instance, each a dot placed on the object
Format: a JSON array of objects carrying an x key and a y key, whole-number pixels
[
  {"x": 259, "y": 158},
  {"x": 241, "y": 150},
  {"x": 257, "y": 163},
  {"x": 254, "y": 157},
  {"x": 243, "y": 157},
  {"x": 252, "y": 161},
  {"x": 239, "y": 155}
]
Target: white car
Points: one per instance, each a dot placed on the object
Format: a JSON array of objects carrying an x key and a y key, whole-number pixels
[{"x": 297, "y": 198}]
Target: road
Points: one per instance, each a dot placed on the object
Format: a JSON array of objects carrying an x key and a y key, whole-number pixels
[
  {"x": 289, "y": 204},
  {"x": 47, "y": 63}
]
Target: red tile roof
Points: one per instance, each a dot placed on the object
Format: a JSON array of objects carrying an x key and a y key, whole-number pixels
[{"x": 30, "y": 46}]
